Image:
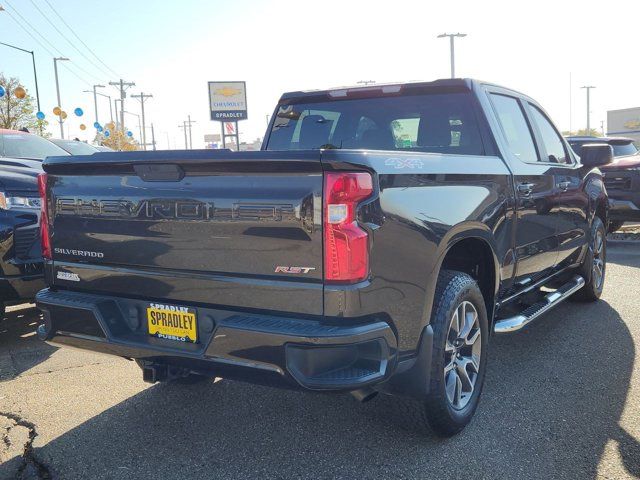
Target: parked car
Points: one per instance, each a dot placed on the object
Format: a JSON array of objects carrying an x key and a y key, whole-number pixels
[
  {"x": 75, "y": 147},
  {"x": 373, "y": 245},
  {"x": 104, "y": 148},
  {"x": 24, "y": 149},
  {"x": 621, "y": 178},
  {"x": 622, "y": 146},
  {"x": 21, "y": 155}
]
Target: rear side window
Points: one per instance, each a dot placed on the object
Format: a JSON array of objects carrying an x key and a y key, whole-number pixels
[
  {"x": 438, "y": 123},
  {"x": 515, "y": 127},
  {"x": 551, "y": 139}
]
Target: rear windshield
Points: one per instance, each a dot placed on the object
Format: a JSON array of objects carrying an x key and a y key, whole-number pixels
[
  {"x": 74, "y": 147},
  {"x": 619, "y": 149},
  {"x": 438, "y": 123},
  {"x": 25, "y": 145}
]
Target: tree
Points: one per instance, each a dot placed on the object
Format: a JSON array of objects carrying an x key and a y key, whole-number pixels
[
  {"x": 583, "y": 133},
  {"x": 17, "y": 113},
  {"x": 117, "y": 140}
]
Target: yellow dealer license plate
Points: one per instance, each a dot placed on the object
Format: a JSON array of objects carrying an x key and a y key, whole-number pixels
[{"x": 172, "y": 322}]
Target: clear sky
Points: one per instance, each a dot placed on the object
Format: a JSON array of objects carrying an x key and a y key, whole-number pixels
[{"x": 172, "y": 48}]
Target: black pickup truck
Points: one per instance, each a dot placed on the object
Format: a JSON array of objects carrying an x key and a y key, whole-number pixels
[{"x": 375, "y": 243}]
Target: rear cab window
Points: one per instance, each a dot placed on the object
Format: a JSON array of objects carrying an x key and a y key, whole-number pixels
[{"x": 424, "y": 122}]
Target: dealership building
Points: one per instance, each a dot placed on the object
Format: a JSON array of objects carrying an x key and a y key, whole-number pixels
[{"x": 624, "y": 123}]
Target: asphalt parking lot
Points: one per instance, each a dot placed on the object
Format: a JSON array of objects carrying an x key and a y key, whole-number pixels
[{"x": 562, "y": 400}]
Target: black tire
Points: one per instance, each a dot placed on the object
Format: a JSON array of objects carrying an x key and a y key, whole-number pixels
[
  {"x": 614, "y": 225},
  {"x": 592, "y": 289},
  {"x": 436, "y": 411}
]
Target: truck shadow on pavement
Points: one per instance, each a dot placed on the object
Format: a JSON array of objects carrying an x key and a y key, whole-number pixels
[
  {"x": 552, "y": 402},
  {"x": 20, "y": 349}
]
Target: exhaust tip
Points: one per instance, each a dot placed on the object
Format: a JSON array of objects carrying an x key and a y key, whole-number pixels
[{"x": 363, "y": 395}]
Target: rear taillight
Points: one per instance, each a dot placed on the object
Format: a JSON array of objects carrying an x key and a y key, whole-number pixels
[
  {"x": 346, "y": 250},
  {"x": 44, "y": 217}
]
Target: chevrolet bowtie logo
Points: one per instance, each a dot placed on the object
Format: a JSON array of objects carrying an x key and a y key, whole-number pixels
[{"x": 227, "y": 92}]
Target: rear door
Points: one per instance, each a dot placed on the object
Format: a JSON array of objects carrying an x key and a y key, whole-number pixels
[
  {"x": 570, "y": 198},
  {"x": 536, "y": 222}
]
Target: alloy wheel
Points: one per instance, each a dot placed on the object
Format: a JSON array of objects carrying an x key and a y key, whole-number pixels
[
  {"x": 598, "y": 259},
  {"x": 462, "y": 355}
]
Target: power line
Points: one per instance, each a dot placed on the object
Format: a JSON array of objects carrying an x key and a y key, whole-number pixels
[
  {"x": 79, "y": 39},
  {"x": 34, "y": 29},
  {"x": 40, "y": 43},
  {"x": 70, "y": 43}
]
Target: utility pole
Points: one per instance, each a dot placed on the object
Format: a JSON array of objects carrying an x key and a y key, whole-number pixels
[
  {"x": 184, "y": 127},
  {"x": 122, "y": 85},
  {"x": 588, "y": 88},
  {"x": 55, "y": 68},
  {"x": 141, "y": 96},
  {"x": 95, "y": 100},
  {"x": 452, "y": 49},
  {"x": 189, "y": 122},
  {"x": 602, "y": 127}
]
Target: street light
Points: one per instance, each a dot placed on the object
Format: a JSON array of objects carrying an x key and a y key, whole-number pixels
[
  {"x": 55, "y": 68},
  {"x": 105, "y": 96},
  {"x": 588, "y": 88},
  {"x": 139, "y": 127},
  {"x": 33, "y": 60},
  {"x": 452, "y": 50},
  {"x": 95, "y": 100}
]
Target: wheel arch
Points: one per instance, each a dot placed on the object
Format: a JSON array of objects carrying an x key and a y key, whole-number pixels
[{"x": 471, "y": 251}]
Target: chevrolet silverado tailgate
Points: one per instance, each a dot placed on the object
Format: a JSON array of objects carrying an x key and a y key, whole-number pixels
[{"x": 226, "y": 228}]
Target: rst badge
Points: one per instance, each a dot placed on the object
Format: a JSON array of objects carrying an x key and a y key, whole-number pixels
[
  {"x": 72, "y": 277},
  {"x": 281, "y": 269}
]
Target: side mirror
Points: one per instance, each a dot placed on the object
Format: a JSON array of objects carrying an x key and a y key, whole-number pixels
[{"x": 596, "y": 154}]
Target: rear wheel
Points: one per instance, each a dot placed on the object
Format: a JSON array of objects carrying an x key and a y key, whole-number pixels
[
  {"x": 595, "y": 264},
  {"x": 458, "y": 363}
]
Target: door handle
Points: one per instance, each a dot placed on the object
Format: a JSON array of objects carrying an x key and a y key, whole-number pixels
[
  {"x": 526, "y": 188},
  {"x": 564, "y": 186}
]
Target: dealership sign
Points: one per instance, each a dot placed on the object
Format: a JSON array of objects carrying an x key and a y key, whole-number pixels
[{"x": 228, "y": 101}]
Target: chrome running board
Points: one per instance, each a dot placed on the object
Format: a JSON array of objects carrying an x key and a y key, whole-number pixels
[{"x": 513, "y": 324}]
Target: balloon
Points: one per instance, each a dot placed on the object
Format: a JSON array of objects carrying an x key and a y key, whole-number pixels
[
  {"x": 20, "y": 92},
  {"x": 40, "y": 116},
  {"x": 63, "y": 115},
  {"x": 107, "y": 133},
  {"x": 96, "y": 125},
  {"x": 99, "y": 128},
  {"x": 78, "y": 111},
  {"x": 2, "y": 91},
  {"x": 57, "y": 111},
  {"x": 83, "y": 126},
  {"x": 129, "y": 133},
  {"x": 110, "y": 126}
]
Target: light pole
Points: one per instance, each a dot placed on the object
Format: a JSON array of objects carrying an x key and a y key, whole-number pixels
[
  {"x": 115, "y": 106},
  {"x": 452, "y": 49},
  {"x": 105, "y": 96},
  {"x": 95, "y": 100},
  {"x": 588, "y": 89},
  {"x": 139, "y": 126},
  {"x": 55, "y": 68},
  {"x": 33, "y": 60}
]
